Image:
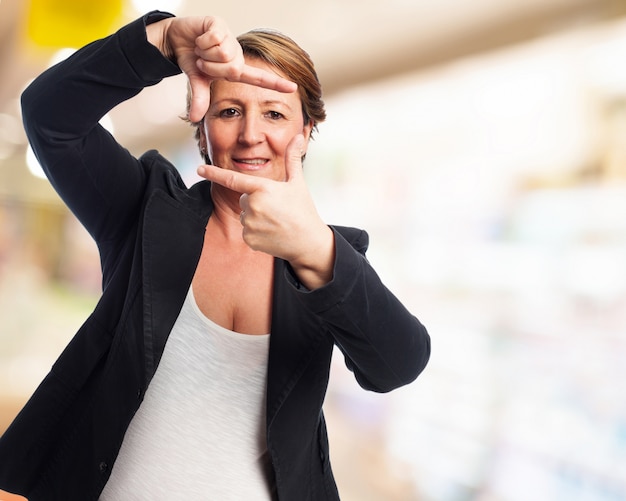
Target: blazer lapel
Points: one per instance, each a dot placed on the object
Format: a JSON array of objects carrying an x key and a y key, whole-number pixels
[
  {"x": 296, "y": 333},
  {"x": 172, "y": 242}
]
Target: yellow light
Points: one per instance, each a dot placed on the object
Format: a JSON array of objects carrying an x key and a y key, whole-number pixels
[{"x": 71, "y": 23}]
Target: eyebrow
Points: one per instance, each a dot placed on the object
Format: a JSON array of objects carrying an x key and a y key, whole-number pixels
[{"x": 267, "y": 102}]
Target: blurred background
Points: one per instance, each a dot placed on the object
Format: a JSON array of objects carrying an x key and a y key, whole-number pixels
[{"x": 482, "y": 143}]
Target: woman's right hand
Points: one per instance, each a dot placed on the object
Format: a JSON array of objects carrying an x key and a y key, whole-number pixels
[{"x": 205, "y": 50}]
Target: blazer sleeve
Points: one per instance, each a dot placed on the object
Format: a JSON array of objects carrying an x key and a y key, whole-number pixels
[
  {"x": 383, "y": 343},
  {"x": 98, "y": 179}
]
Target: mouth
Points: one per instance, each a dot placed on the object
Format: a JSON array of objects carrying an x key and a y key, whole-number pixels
[{"x": 251, "y": 163}]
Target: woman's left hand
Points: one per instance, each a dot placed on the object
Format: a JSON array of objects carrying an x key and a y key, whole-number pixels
[{"x": 280, "y": 218}]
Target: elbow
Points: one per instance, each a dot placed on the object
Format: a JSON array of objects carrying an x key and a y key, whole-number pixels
[
  {"x": 410, "y": 361},
  {"x": 41, "y": 102},
  {"x": 27, "y": 103},
  {"x": 30, "y": 112},
  {"x": 413, "y": 359},
  {"x": 419, "y": 355}
]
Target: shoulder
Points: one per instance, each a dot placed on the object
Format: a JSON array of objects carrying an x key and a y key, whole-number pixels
[
  {"x": 164, "y": 178},
  {"x": 160, "y": 172},
  {"x": 356, "y": 237}
]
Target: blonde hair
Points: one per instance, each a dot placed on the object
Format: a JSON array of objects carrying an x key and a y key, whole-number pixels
[{"x": 284, "y": 54}]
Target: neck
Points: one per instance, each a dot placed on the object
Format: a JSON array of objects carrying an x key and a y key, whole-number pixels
[{"x": 226, "y": 213}]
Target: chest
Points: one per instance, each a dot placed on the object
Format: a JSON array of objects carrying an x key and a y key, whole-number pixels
[{"x": 233, "y": 287}]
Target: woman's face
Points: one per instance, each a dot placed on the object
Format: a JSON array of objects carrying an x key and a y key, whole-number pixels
[{"x": 248, "y": 128}]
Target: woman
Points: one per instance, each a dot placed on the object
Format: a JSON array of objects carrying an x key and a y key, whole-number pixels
[{"x": 202, "y": 371}]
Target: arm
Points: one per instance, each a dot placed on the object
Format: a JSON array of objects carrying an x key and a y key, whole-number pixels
[
  {"x": 384, "y": 345},
  {"x": 96, "y": 177},
  {"x": 382, "y": 342}
]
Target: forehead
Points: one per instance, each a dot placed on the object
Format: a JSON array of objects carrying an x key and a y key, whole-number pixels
[{"x": 260, "y": 63}]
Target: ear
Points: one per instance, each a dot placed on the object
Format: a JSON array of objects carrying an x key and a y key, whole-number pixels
[{"x": 203, "y": 142}]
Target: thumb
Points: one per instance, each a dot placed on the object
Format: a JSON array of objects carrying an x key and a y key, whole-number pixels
[
  {"x": 200, "y": 97},
  {"x": 293, "y": 157}
]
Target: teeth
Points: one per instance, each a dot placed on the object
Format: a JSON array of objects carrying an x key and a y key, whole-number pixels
[{"x": 256, "y": 161}]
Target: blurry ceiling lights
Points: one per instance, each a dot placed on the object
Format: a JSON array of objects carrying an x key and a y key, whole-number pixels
[
  {"x": 143, "y": 6},
  {"x": 33, "y": 164},
  {"x": 607, "y": 71}
]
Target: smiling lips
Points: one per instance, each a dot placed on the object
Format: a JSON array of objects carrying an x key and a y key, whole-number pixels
[{"x": 251, "y": 162}]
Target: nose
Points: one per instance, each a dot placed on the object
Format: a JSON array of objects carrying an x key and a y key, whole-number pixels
[{"x": 252, "y": 131}]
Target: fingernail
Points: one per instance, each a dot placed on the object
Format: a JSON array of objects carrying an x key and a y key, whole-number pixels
[{"x": 201, "y": 170}]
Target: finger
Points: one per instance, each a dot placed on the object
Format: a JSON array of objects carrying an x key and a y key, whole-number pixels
[
  {"x": 200, "y": 97},
  {"x": 293, "y": 157},
  {"x": 214, "y": 32},
  {"x": 263, "y": 78},
  {"x": 244, "y": 202},
  {"x": 231, "y": 70},
  {"x": 235, "y": 181},
  {"x": 222, "y": 52}
]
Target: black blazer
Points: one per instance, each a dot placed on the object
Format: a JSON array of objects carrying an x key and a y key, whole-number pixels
[{"x": 149, "y": 228}]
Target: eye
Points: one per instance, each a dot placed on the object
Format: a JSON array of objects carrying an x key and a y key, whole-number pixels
[
  {"x": 229, "y": 112},
  {"x": 275, "y": 115}
]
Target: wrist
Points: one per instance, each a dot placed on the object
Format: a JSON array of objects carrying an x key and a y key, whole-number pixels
[
  {"x": 315, "y": 267},
  {"x": 157, "y": 35}
]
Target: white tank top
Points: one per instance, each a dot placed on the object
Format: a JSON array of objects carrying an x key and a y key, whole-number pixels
[{"x": 200, "y": 431}]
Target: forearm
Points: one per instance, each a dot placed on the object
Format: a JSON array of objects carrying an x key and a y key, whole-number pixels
[{"x": 384, "y": 344}]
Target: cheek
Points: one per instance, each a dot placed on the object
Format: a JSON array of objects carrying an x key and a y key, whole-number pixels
[
  {"x": 278, "y": 145},
  {"x": 282, "y": 138},
  {"x": 216, "y": 139}
]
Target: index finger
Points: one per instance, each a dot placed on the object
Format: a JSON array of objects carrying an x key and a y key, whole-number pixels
[
  {"x": 263, "y": 78},
  {"x": 235, "y": 181}
]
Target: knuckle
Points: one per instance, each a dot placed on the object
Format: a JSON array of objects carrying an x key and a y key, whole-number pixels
[
  {"x": 234, "y": 72},
  {"x": 248, "y": 238},
  {"x": 230, "y": 180}
]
